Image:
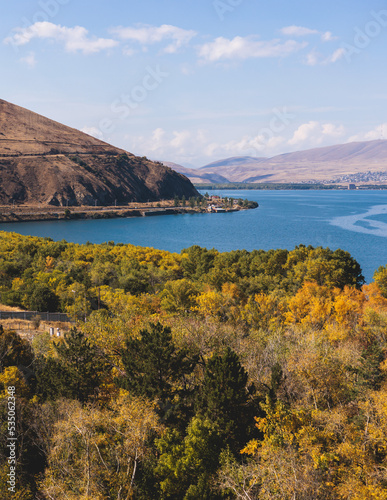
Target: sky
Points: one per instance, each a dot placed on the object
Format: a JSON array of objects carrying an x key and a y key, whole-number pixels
[{"x": 195, "y": 81}]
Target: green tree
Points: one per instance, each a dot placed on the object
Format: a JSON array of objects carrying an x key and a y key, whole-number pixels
[
  {"x": 224, "y": 398},
  {"x": 380, "y": 277},
  {"x": 76, "y": 372},
  {"x": 178, "y": 296},
  {"x": 324, "y": 266},
  {"x": 197, "y": 261},
  {"x": 42, "y": 298},
  {"x": 156, "y": 369},
  {"x": 186, "y": 466}
]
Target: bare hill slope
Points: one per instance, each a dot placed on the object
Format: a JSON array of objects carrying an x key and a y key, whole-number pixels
[
  {"x": 319, "y": 164},
  {"x": 42, "y": 161},
  {"x": 195, "y": 175}
]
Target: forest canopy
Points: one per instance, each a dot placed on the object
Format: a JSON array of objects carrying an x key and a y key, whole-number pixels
[{"x": 199, "y": 375}]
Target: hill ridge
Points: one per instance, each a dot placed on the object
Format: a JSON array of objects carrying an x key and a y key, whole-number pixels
[
  {"x": 44, "y": 161},
  {"x": 359, "y": 161}
]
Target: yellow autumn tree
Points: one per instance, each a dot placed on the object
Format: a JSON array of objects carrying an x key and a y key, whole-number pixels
[
  {"x": 348, "y": 307},
  {"x": 264, "y": 311},
  {"x": 311, "y": 305},
  {"x": 94, "y": 454}
]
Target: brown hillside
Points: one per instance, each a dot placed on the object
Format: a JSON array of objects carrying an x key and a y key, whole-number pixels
[
  {"x": 362, "y": 162},
  {"x": 42, "y": 161}
]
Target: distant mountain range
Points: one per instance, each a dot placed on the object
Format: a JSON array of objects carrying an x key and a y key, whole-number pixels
[
  {"x": 360, "y": 162},
  {"x": 195, "y": 175},
  {"x": 42, "y": 161}
]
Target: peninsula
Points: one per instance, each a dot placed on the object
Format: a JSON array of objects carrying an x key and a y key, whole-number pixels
[{"x": 199, "y": 204}]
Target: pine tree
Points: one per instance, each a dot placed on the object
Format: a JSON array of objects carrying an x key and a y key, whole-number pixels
[
  {"x": 155, "y": 368},
  {"x": 76, "y": 373},
  {"x": 187, "y": 465},
  {"x": 225, "y": 398}
]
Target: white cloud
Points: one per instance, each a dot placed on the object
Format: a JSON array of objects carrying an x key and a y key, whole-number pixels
[
  {"x": 314, "y": 58},
  {"x": 128, "y": 51},
  {"x": 74, "y": 39},
  {"x": 158, "y": 137},
  {"x": 336, "y": 56},
  {"x": 314, "y": 133},
  {"x": 93, "y": 131},
  {"x": 148, "y": 35},
  {"x": 331, "y": 130},
  {"x": 328, "y": 37},
  {"x": 379, "y": 132},
  {"x": 304, "y": 132},
  {"x": 165, "y": 145},
  {"x": 182, "y": 146},
  {"x": 259, "y": 145},
  {"x": 298, "y": 31},
  {"x": 180, "y": 139},
  {"x": 247, "y": 47},
  {"x": 29, "y": 60}
]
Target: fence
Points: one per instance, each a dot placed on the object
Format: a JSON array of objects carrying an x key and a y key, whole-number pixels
[{"x": 31, "y": 315}]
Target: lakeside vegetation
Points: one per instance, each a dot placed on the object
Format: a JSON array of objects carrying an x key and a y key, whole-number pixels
[
  {"x": 283, "y": 186},
  {"x": 176, "y": 206},
  {"x": 199, "y": 375}
]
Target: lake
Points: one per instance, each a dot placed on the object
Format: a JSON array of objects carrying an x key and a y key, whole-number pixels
[{"x": 355, "y": 221}]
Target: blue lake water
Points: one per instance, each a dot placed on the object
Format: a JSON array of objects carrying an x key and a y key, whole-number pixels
[{"x": 355, "y": 221}]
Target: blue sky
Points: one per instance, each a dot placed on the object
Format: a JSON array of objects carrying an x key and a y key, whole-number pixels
[{"x": 193, "y": 81}]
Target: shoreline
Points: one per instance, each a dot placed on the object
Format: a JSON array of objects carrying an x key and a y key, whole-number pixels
[
  {"x": 9, "y": 214},
  {"x": 239, "y": 186}
]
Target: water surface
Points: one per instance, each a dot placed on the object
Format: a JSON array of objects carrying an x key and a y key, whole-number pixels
[{"x": 355, "y": 221}]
